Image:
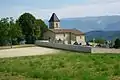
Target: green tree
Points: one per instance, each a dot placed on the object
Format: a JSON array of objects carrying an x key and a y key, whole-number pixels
[
  {"x": 41, "y": 26},
  {"x": 27, "y": 24},
  {"x": 100, "y": 41},
  {"x": 32, "y": 28},
  {"x": 9, "y": 31},
  {"x": 14, "y": 31},
  {"x": 4, "y": 27},
  {"x": 117, "y": 43}
]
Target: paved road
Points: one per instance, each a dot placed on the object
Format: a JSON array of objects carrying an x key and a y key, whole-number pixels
[{"x": 26, "y": 52}]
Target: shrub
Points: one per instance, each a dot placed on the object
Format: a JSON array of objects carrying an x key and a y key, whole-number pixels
[{"x": 117, "y": 43}]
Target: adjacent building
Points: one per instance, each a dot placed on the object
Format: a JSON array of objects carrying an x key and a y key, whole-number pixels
[{"x": 56, "y": 34}]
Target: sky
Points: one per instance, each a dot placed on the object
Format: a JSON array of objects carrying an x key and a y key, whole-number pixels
[{"x": 43, "y": 9}]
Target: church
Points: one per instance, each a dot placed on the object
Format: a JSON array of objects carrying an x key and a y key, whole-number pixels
[{"x": 56, "y": 34}]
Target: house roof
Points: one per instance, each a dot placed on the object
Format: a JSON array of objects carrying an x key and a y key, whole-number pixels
[
  {"x": 54, "y": 18},
  {"x": 73, "y": 31}
]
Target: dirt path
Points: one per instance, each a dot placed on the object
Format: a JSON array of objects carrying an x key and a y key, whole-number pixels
[{"x": 26, "y": 52}]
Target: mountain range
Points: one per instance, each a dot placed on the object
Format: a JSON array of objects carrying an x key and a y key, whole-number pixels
[
  {"x": 105, "y": 35},
  {"x": 107, "y": 27}
]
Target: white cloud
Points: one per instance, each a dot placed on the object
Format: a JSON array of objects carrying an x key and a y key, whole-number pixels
[
  {"x": 92, "y": 8},
  {"x": 98, "y": 9},
  {"x": 102, "y": 1}
]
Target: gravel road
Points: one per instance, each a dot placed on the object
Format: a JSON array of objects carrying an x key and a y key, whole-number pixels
[{"x": 30, "y": 51}]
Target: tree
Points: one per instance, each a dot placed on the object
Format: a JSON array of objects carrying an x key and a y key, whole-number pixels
[
  {"x": 9, "y": 31},
  {"x": 14, "y": 31},
  {"x": 100, "y": 41},
  {"x": 41, "y": 26},
  {"x": 117, "y": 43},
  {"x": 32, "y": 28},
  {"x": 4, "y": 27},
  {"x": 27, "y": 24}
]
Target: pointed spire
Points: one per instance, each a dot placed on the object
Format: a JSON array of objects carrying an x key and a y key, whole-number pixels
[{"x": 54, "y": 18}]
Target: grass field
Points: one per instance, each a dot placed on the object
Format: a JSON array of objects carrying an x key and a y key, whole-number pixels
[{"x": 63, "y": 66}]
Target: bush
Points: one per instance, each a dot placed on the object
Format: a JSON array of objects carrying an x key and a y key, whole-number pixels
[
  {"x": 117, "y": 43},
  {"x": 30, "y": 39}
]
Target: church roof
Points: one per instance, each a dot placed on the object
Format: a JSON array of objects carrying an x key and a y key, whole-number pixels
[
  {"x": 54, "y": 18},
  {"x": 73, "y": 31}
]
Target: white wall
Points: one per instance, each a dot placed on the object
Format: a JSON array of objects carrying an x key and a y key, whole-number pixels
[
  {"x": 64, "y": 37},
  {"x": 81, "y": 39}
]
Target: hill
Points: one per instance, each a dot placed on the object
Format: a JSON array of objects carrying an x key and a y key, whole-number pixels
[
  {"x": 87, "y": 24},
  {"x": 107, "y": 35},
  {"x": 113, "y": 26}
]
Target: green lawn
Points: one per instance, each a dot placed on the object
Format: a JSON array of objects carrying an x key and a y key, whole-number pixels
[{"x": 63, "y": 66}]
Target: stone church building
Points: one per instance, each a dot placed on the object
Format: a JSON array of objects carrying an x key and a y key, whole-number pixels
[{"x": 56, "y": 34}]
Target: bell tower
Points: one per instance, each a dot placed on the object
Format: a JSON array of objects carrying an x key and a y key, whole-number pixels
[{"x": 54, "y": 22}]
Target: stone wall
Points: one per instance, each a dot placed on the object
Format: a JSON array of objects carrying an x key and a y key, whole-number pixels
[
  {"x": 77, "y": 48},
  {"x": 48, "y": 35},
  {"x": 64, "y": 46},
  {"x": 104, "y": 50}
]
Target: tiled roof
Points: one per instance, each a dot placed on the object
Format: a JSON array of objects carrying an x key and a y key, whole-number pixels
[
  {"x": 54, "y": 18},
  {"x": 73, "y": 31}
]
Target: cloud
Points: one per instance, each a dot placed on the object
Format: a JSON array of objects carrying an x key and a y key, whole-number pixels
[
  {"x": 99, "y": 9},
  {"x": 102, "y": 1},
  {"x": 91, "y": 8}
]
